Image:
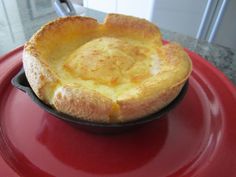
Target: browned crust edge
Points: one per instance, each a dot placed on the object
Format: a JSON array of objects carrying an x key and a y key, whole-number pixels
[{"x": 88, "y": 104}]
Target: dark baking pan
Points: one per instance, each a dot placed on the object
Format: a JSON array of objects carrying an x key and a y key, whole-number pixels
[{"x": 20, "y": 82}]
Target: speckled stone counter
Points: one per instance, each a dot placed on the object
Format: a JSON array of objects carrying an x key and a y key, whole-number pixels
[{"x": 222, "y": 57}]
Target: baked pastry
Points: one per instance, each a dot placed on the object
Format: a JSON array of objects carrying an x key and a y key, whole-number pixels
[{"x": 117, "y": 71}]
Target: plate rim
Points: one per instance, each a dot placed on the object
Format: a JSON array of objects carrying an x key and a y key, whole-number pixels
[{"x": 228, "y": 84}]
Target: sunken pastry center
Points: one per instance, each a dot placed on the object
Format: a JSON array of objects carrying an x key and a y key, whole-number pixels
[{"x": 111, "y": 61}]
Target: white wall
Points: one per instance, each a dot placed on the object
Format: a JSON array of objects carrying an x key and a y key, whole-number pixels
[
  {"x": 183, "y": 16},
  {"x": 107, "y": 6},
  {"x": 138, "y": 8}
]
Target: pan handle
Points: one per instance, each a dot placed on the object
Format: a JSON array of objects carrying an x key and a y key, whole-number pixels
[{"x": 64, "y": 8}]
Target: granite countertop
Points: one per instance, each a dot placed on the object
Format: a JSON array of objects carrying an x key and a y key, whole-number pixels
[
  {"x": 18, "y": 27},
  {"x": 221, "y": 57}
]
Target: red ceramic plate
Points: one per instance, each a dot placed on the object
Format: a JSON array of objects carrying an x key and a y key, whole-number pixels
[{"x": 197, "y": 138}]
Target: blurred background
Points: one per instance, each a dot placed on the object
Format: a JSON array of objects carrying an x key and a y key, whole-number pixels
[{"x": 210, "y": 20}]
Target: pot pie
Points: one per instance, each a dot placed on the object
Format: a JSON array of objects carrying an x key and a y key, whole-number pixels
[{"x": 117, "y": 71}]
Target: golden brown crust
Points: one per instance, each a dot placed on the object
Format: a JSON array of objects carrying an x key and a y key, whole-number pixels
[
  {"x": 158, "y": 91},
  {"x": 80, "y": 102},
  {"x": 46, "y": 41},
  {"x": 145, "y": 105},
  {"x": 38, "y": 75},
  {"x": 133, "y": 27},
  {"x": 64, "y": 35}
]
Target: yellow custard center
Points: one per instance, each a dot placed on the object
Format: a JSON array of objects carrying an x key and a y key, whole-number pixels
[{"x": 109, "y": 65}]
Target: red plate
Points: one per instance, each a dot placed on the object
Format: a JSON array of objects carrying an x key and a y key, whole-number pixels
[{"x": 197, "y": 138}]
